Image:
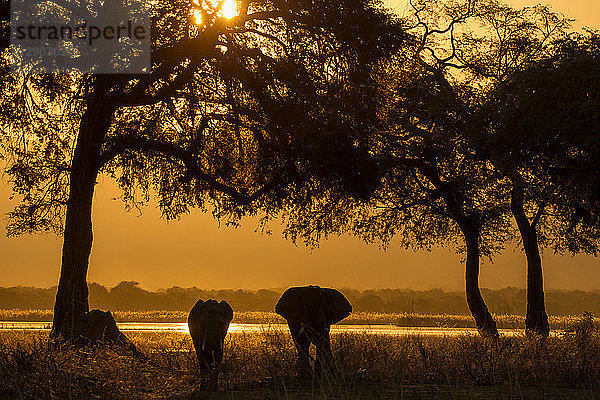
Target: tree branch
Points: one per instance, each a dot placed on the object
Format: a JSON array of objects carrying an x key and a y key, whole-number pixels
[{"x": 123, "y": 144}]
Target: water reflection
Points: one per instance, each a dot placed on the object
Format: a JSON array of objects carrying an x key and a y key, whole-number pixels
[{"x": 258, "y": 328}]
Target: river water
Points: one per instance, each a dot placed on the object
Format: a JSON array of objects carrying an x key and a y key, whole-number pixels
[{"x": 258, "y": 328}]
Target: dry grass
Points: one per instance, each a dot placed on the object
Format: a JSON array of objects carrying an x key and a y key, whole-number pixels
[
  {"x": 359, "y": 318},
  {"x": 261, "y": 366}
]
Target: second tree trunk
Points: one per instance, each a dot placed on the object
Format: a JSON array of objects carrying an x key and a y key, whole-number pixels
[{"x": 536, "y": 322}]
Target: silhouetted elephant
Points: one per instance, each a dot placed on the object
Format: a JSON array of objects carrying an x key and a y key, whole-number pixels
[
  {"x": 208, "y": 322},
  {"x": 309, "y": 312}
]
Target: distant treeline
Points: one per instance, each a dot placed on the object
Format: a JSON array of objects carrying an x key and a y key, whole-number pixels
[{"x": 128, "y": 296}]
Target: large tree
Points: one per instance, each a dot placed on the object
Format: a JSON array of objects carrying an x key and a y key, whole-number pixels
[
  {"x": 469, "y": 49},
  {"x": 434, "y": 189},
  {"x": 543, "y": 128},
  {"x": 446, "y": 179},
  {"x": 234, "y": 115}
]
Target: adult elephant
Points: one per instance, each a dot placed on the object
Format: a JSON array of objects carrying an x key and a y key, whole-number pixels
[
  {"x": 310, "y": 311},
  {"x": 208, "y": 323}
]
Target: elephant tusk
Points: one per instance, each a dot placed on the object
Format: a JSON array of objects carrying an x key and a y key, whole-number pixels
[{"x": 203, "y": 344}]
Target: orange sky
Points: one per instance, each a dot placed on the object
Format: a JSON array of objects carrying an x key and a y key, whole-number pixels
[
  {"x": 196, "y": 252},
  {"x": 586, "y": 12}
]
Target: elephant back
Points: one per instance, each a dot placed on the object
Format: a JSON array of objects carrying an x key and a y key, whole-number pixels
[
  {"x": 314, "y": 305},
  {"x": 204, "y": 312}
]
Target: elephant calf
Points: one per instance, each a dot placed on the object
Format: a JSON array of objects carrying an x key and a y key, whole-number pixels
[
  {"x": 208, "y": 323},
  {"x": 310, "y": 311}
]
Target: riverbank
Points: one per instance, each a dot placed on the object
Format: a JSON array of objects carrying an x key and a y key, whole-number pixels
[{"x": 261, "y": 365}]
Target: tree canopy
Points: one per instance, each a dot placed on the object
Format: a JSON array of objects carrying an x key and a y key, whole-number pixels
[
  {"x": 235, "y": 114},
  {"x": 447, "y": 136}
]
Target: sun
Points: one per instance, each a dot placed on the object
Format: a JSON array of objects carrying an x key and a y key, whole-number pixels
[
  {"x": 229, "y": 9},
  {"x": 197, "y": 17}
]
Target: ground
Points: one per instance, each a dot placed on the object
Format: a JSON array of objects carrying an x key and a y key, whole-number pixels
[{"x": 262, "y": 366}]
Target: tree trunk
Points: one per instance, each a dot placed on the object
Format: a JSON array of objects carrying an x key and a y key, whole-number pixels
[
  {"x": 536, "y": 322},
  {"x": 72, "y": 296},
  {"x": 470, "y": 227},
  {"x": 483, "y": 319}
]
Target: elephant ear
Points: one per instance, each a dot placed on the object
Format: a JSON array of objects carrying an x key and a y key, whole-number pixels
[
  {"x": 194, "y": 312},
  {"x": 227, "y": 311},
  {"x": 337, "y": 307},
  {"x": 288, "y": 305}
]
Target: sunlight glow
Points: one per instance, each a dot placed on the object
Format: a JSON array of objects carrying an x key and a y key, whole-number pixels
[
  {"x": 229, "y": 9},
  {"x": 198, "y": 17}
]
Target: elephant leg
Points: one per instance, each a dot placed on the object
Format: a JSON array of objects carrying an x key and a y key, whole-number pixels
[
  {"x": 204, "y": 362},
  {"x": 201, "y": 362},
  {"x": 324, "y": 359},
  {"x": 209, "y": 372},
  {"x": 302, "y": 343},
  {"x": 212, "y": 379}
]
